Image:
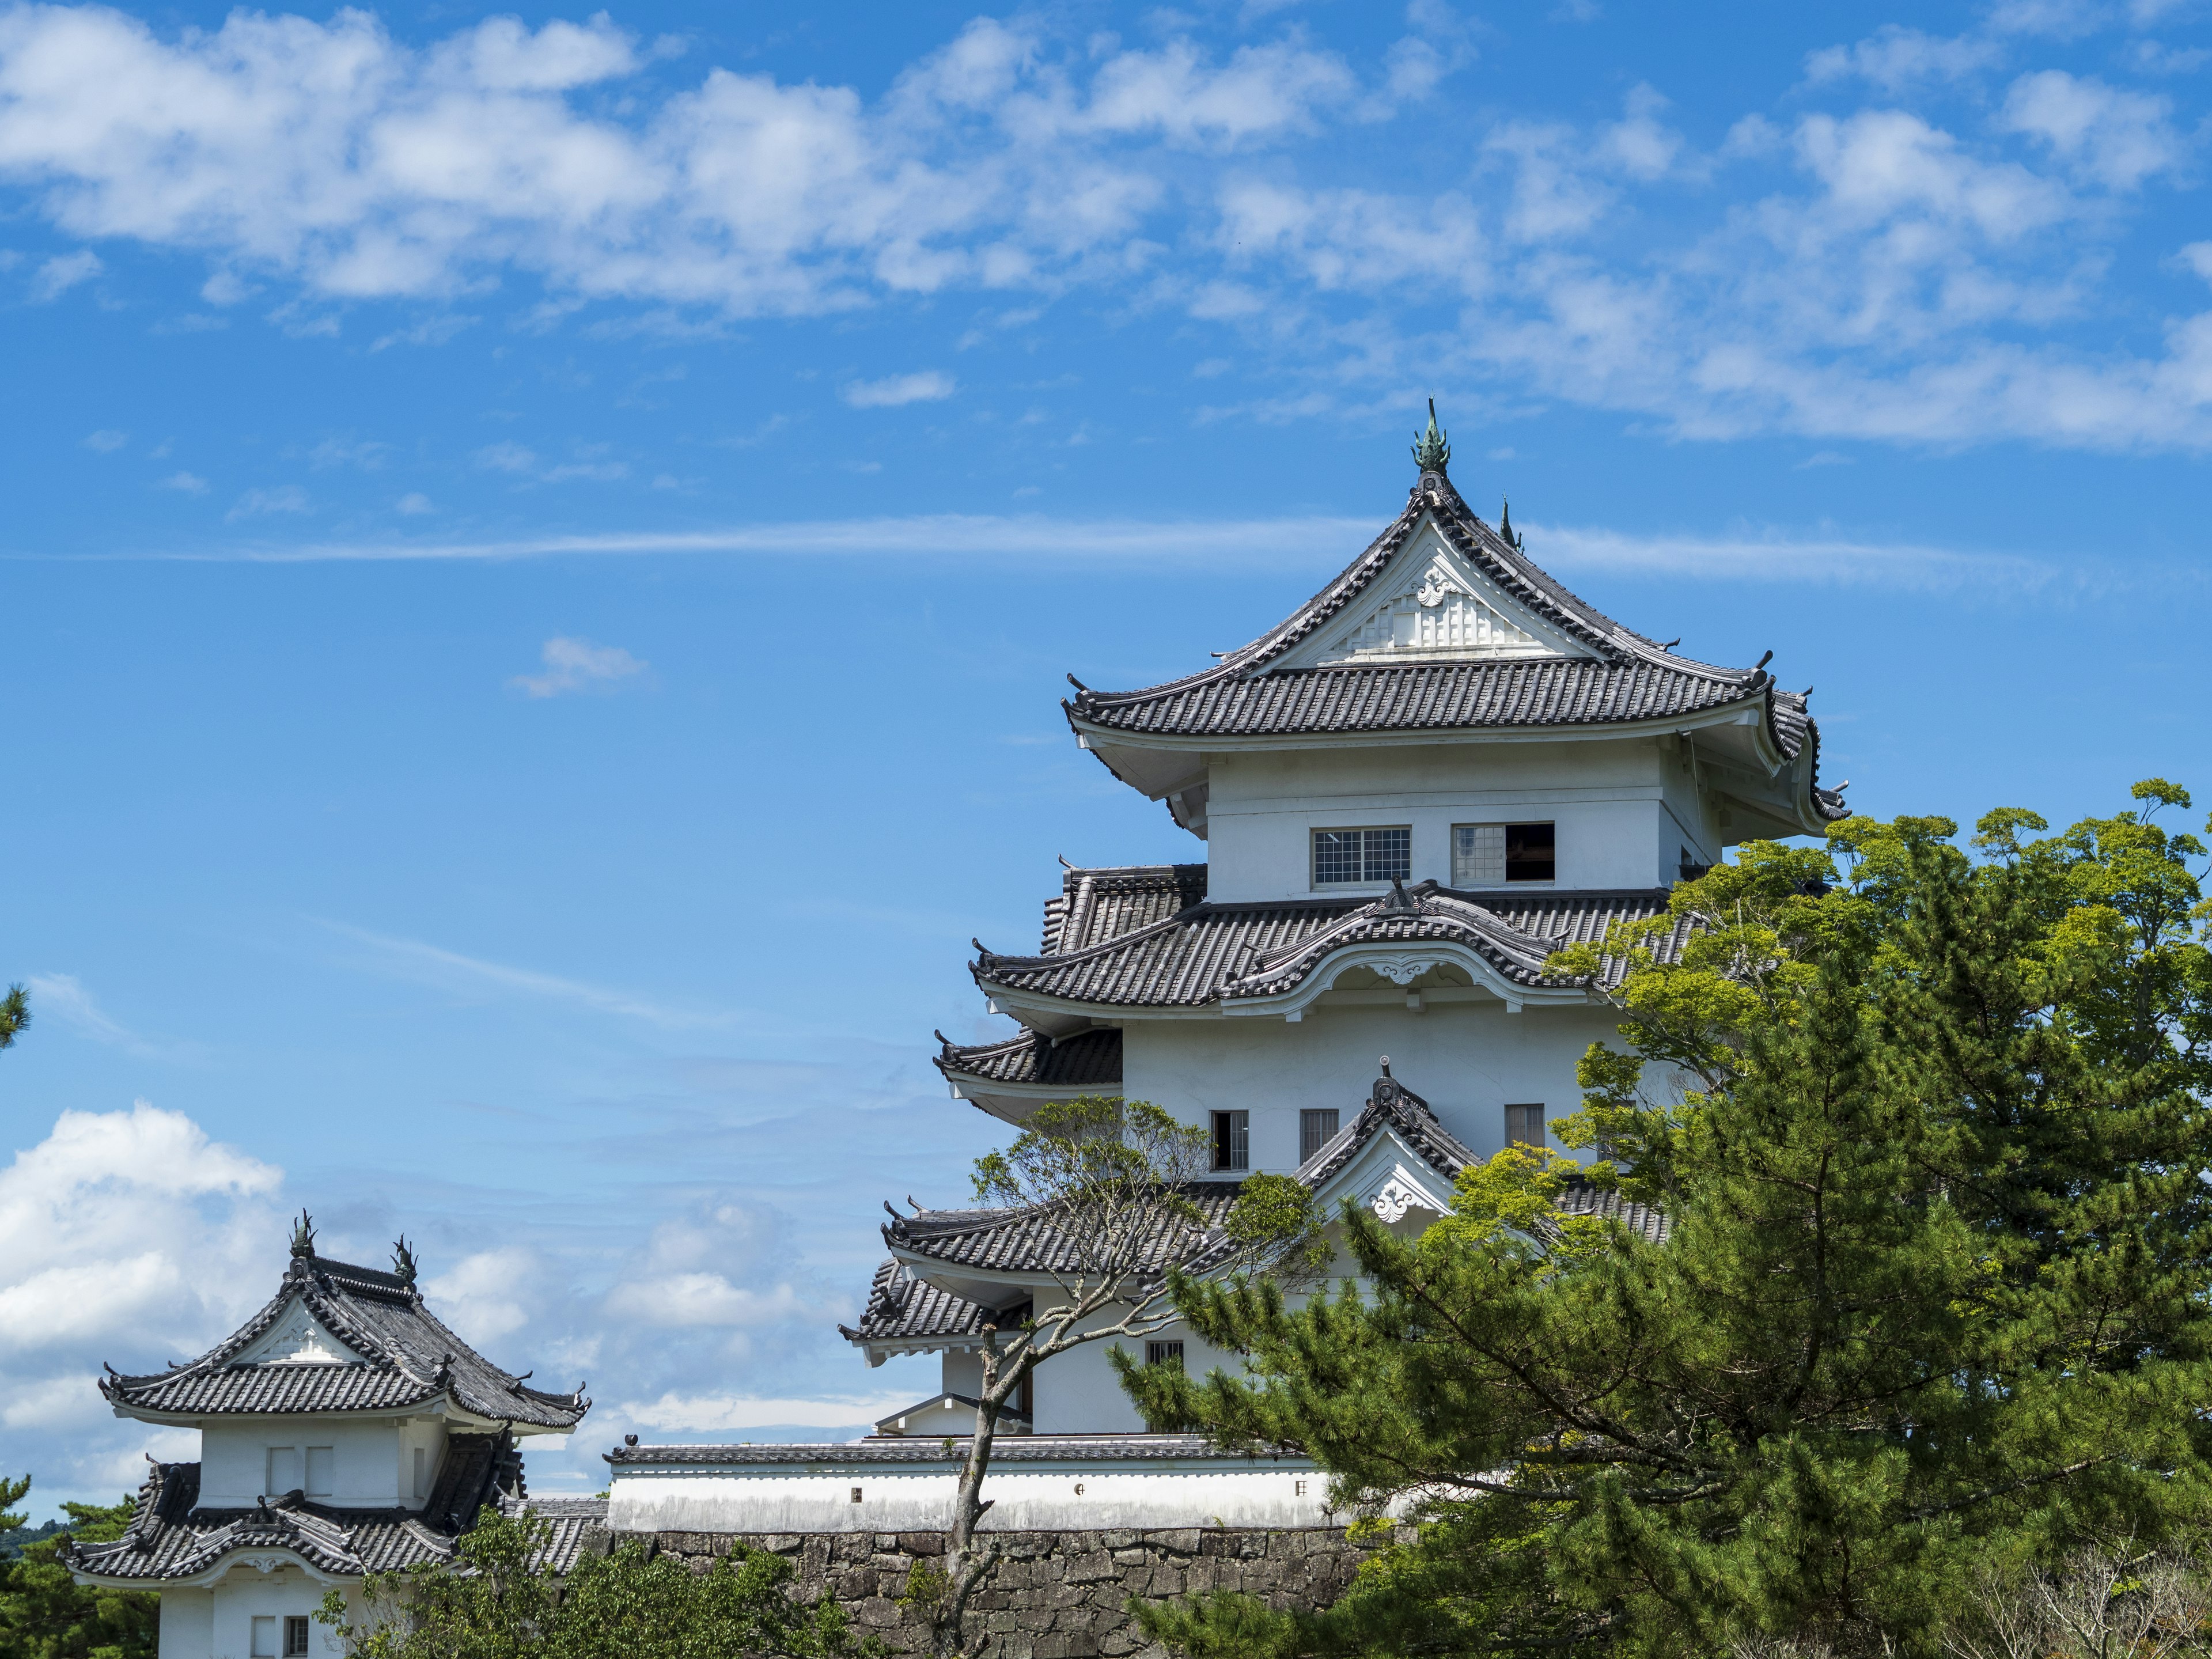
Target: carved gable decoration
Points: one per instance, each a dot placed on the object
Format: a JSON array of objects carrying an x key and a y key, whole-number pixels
[
  {"x": 297, "y": 1338},
  {"x": 1430, "y": 603}
]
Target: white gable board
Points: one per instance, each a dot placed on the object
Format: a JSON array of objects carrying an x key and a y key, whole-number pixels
[
  {"x": 1430, "y": 603},
  {"x": 297, "y": 1338}
]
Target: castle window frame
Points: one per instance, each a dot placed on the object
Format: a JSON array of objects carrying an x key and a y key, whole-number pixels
[
  {"x": 1232, "y": 1141},
  {"x": 1317, "y": 1126},
  {"x": 1169, "y": 1352},
  {"x": 1524, "y": 1125},
  {"x": 1362, "y": 855},
  {"x": 1504, "y": 854}
]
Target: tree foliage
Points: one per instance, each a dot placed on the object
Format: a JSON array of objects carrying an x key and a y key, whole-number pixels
[
  {"x": 497, "y": 1601},
  {"x": 45, "y": 1614},
  {"x": 1930, "y": 1132}
]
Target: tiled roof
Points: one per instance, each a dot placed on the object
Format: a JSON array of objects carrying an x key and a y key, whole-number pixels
[
  {"x": 903, "y": 1308},
  {"x": 405, "y": 1356},
  {"x": 1210, "y": 951},
  {"x": 886, "y": 1423},
  {"x": 1627, "y": 677},
  {"x": 1094, "y": 906},
  {"x": 1088, "y": 1059},
  {"x": 1015, "y": 1449},
  {"x": 1035, "y": 1241},
  {"x": 171, "y": 1537}
]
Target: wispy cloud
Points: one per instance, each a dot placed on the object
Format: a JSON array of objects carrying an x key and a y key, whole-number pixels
[
  {"x": 1773, "y": 555},
  {"x": 63, "y": 999},
  {"x": 1779, "y": 557},
  {"x": 106, "y": 440},
  {"x": 259, "y": 503},
  {"x": 432, "y": 965},
  {"x": 896, "y": 390},
  {"x": 577, "y": 665},
  {"x": 730, "y": 1410},
  {"x": 58, "y": 275}
]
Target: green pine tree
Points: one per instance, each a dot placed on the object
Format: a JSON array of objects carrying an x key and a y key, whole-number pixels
[
  {"x": 45, "y": 1614},
  {"x": 1930, "y": 1133}
]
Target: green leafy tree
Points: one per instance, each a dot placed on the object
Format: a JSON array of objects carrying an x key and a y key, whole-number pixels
[
  {"x": 497, "y": 1601},
  {"x": 14, "y": 1014},
  {"x": 1930, "y": 1132},
  {"x": 45, "y": 1614},
  {"x": 1110, "y": 1176}
]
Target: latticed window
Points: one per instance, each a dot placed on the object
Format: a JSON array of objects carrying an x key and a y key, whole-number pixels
[
  {"x": 1350, "y": 855},
  {"x": 1317, "y": 1128},
  {"x": 1164, "y": 1353},
  {"x": 295, "y": 1636},
  {"x": 1524, "y": 1125}
]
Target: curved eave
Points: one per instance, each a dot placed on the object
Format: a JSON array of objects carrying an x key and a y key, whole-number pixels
[
  {"x": 1013, "y": 1102},
  {"x": 207, "y": 1578},
  {"x": 443, "y": 1404},
  {"x": 986, "y": 1286}
]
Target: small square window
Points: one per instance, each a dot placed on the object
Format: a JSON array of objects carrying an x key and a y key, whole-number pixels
[
  {"x": 295, "y": 1636},
  {"x": 1232, "y": 1141},
  {"x": 321, "y": 1463},
  {"x": 1485, "y": 854},
  {"x": 1344, "y": 856},
  {"x": 1524, "y": 1125},
  {"x": 1164, "y": 1353},
  {"x": 1317, "y": 1128},
  {"x": 264, "y": 1636},
  {"x": 856, "y": 1494}
]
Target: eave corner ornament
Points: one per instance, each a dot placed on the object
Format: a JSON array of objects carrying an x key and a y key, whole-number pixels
[{"x": 1393, "y": 1200}]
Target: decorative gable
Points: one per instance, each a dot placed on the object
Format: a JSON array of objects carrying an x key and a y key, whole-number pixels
[
  {"x": 297, "y": 1338},
  {"x": 1431, "y": 602}
]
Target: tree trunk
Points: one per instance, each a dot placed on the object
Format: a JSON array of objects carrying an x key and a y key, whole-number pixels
[{"x": 968, "y": 1560}]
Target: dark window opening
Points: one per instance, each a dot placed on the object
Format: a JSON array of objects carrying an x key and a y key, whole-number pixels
[
  {"x": 1341, "y": 856},
  {"x": 1690, "y": 868},
  {"x": 1529, "y": 849},
  {"x": 1232, "y": 1141},
  {"x": 1524, "y": 1125},
  {"x": 296, "y": 1636},
  {"x": 1317, "y": 1128},
  {"x": 1164, "y": 1353}
]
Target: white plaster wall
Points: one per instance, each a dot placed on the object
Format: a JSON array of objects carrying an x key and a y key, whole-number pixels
[
  {"x": 187, "y": 1625},
  {"x": 1607, "y": 800},
  {"x": 246, "y": 1591},
  {"x": 909, "y": 1499},
  {"x": 1078, "y": 1393},
  {"x": 234, "y": 1459},
  {"x": 1468, "y": 1059}
]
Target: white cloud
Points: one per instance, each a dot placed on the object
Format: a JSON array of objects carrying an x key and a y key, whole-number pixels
[
  {"x": 507, "y": 458},
  {"x": 413, "y": 504},
  {"x": 576, "y": 665},
  {"x": 259, "y": 503},
  {"x": 1781, "y": 557},
  {"x": 485, "y": 1296},
  {"x": 712, "y": 1413},
  {"x": 894, "y": 391},
  {"x": 189, "y": 483},
  {"x": 1894, "y": 57},
  {"x": 106, "y": 441},
  {"x": 128, "y": 1236},
  {"x": 64, "y": 272},
  {"x": 2115, "y": 137}
]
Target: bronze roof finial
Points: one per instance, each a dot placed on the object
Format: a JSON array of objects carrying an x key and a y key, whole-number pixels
[
  {"x": 303, "y": 1234},
  {"x": 1431, "y": 452}
]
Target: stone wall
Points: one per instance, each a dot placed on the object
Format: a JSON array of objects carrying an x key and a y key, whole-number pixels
[{"x": 1054, "y": 1595}]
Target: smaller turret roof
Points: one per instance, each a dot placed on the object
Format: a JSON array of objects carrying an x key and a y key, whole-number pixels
[{"x": 395, "y": 1353}]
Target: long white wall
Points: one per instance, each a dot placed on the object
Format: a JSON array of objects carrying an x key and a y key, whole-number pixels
[
  {"x": 907, "y": 1498},
  {"x": 1622, "y": 809},
  {"x": 1469, "y": 1060}
]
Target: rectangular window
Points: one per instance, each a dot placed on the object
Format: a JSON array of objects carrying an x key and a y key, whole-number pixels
[
  {"x": 1164, "y": 1353},
  {"x": 295, "y": 1636},
  {"x": 264, "y": 1636},
  {"x": 320, "y": 1469},
  {"x": 1343, "y": 856},
  {"x": 1485, "y": 854},
  {"x": 1529, "y": 850},
  {"x": 1524, "y": 1125},
  {"x": 284, "y": 1473},
  {"x": 1232, "y": 1141},
  {"x": 1317, "y": 1128},
  {"x": 422, "y": 1471},
  {"x": 856, "y": 1494}
]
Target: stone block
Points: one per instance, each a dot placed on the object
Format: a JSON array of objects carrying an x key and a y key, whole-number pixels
[
  {"x": 922, "y": 1543},
  {"x": 1090, "y": 1569},
  {"x": 1118, "y": 1538}
]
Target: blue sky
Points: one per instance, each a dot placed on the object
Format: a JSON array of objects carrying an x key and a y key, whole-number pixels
[{"x": 540, "y": 554}]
